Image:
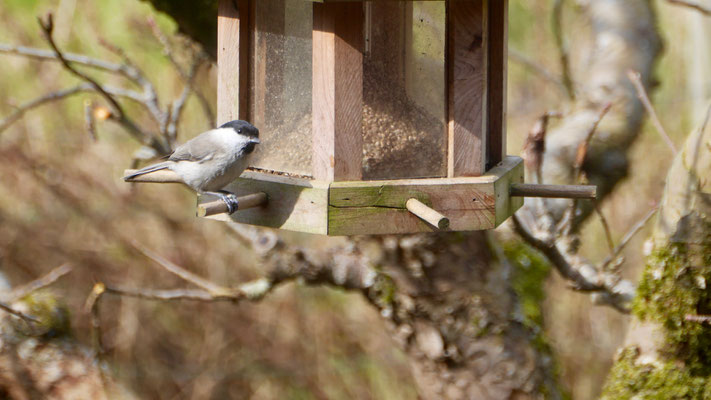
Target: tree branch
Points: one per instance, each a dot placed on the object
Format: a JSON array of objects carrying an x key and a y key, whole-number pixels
[
  {"x": 557, "y": 27},
  {"x": 693, "y": 4}
]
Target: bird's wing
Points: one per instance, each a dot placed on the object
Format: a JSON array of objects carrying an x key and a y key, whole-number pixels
[{"x": 198, "y": 149}]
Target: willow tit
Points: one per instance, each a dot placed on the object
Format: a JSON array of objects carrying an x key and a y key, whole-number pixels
[{"x": 211, "y": 160}]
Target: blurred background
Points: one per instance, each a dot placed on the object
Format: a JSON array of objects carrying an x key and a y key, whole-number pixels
[{"x": 62, "y": 200}]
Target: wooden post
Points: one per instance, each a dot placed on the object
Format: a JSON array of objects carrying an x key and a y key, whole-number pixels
[
  {"x": 466, "y": 87},
  {"x": 497, "y": 55},
  {"x": 427, "y": 214},
  {"x": 337, "y": 91},
  {"x": 553, "y": 191},
  {"x": 232, "y": 60}
]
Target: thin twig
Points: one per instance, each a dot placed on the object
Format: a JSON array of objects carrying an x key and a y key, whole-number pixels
[
  {"x": 41, "y": 282},
  {"x": 149, "y": 92},
  {"x": 568, "y": 220},
  {"x": 636, "y": 80},
  {"x": 559, "y": 261},
  {"x": 583, "y": 147},
  {"x": 557, "y": 27},
  {"x": 693, "y": 4},
  {"x": 583, "y": 276},
  {"x": 60, "y": 95},
  {"x": 31, "y": 52},
  {"x": 177, "y": 107},
  {"x": 517, "y": 56},
  {"x": 118, "y": 112},
  {"x": 92, "y": 306},
  {"x": 47, "y": 29},
  {"x": 129, "y": 72},
  {"x": 628, "y": 236},
  {"x": 25, "y": 317},
  {"x": 89, "y": 121},
  {"x": 605, "y": 227},
  {"x": 210, "y": 287},
  {"x": 187, "y": 76}
]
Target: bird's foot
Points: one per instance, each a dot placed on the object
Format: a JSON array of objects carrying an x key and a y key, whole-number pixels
[{"x": 230, "y": 200}]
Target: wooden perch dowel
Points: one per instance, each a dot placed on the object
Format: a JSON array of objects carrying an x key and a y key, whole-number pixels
[
  {"x": 162, "y": 176},
  {"x": 427, "y": 214},
  {"x": 554, "y": 191},
  {"x": 244, "y": 202}
]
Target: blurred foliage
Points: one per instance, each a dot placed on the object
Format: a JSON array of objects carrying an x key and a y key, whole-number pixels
[{"x": 61, "y": 199}]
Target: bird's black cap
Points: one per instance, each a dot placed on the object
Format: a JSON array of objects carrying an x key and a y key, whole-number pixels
[{"x": 242, "y": 127}]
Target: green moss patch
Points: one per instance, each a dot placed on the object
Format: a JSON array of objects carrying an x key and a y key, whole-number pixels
[{"x": 675, "y": 284}]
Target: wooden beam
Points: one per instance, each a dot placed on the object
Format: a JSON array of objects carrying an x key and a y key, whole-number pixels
[
  {"x": 380, "y": 207},
  {"x": 466, "y": 87},
  {"x": 232, "y": 60},
  {"x": 337, "y": 91},
  {"x": 497, "y": 56}
]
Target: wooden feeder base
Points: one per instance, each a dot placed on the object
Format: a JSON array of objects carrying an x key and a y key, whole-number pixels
[{"x": 379, "y": 207}]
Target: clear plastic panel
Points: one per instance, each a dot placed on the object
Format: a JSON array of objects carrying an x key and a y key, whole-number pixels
[
  {"x": 281, "y": 85},
  {"x": 404, "y": 93}
]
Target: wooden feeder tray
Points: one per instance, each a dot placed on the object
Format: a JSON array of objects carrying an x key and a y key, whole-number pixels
[{"x": 379, "y": 207}]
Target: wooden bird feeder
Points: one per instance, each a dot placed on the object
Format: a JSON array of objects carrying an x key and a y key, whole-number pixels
[{"x": 375, "y": 117}]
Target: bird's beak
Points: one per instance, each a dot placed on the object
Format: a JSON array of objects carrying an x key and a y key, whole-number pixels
[{"x": 255, "y": 140}]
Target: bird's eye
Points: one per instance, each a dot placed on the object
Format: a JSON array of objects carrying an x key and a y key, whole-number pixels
[{"x": 239, "y": 130}]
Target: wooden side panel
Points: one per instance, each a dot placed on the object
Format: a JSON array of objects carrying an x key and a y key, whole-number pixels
[
  {"x": 293, "y": 204},
  {"x": 466, "y": 84},
  {"x": 496, "y": 81},
  {"x": 232, "y": 60},
  {"x": 337, "y": 91},
  {"x": 268, "y": 18},
  {"x": 379, "y": 207},
  {"x": 510, "y": 171}
]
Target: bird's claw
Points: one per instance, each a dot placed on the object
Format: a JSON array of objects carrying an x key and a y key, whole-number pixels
[{"x": 231, "y": 202}]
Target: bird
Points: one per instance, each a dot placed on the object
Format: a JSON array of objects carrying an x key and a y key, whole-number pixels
[{"x": 210, "y": 161}]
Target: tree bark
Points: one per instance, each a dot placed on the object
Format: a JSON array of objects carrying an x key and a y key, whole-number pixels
[
  {"x": 667, "y": 353},
  {"x": 624, "y": 38}
]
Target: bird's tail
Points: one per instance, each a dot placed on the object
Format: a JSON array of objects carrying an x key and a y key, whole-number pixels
[{"x": 146, "y": 170}]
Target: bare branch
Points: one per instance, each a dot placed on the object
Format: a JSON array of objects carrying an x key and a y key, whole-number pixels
[
  {"x": 92, "y": 306},
  {"x": 60, "y": 95},
  {"x": 567, "y": 223},
  {"x": 47, "y": 29},
  {"x": 41, "y": 282},
  {"x": 89, "y": 122},
  {"x": 628, "y": 236},
  {"x": 149, "y": 92},
  {"x": 119, "y": 115},
  {"x": 178, "y": 105},
  {"x": 128, "y": 71},
  {"x": 605, "y": 227},
  {"x": 636, "y": 79},
  {"x": 557, "y": 27},
  {"x": 187, "y": 76},
  {"x": 212, "y": 288},
  {"x": 517, "y": 56},
  {"x": 693, "y": 4},
  {"x": 25, "y": 317},
  {"x": 31, "y": 52}
]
